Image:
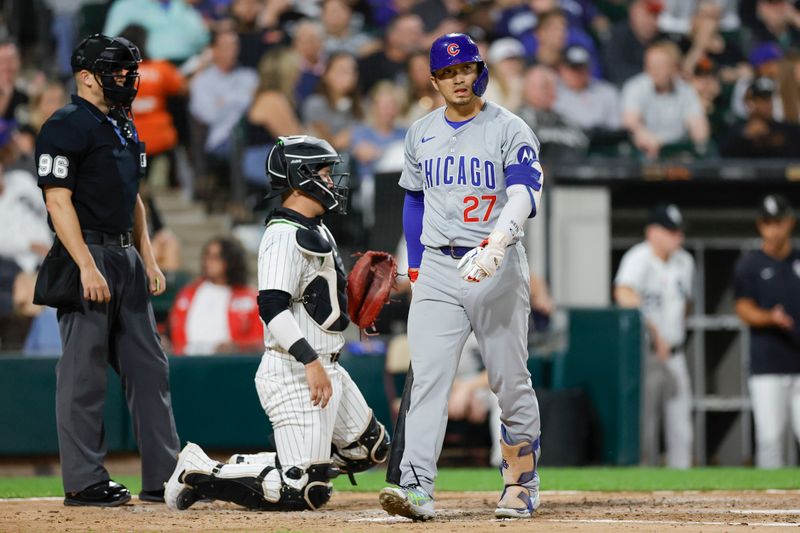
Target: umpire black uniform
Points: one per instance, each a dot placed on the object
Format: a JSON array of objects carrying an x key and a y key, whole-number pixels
[{"x": 90, "y": 162}]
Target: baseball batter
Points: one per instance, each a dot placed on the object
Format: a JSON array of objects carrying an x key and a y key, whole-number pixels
[
  {"x": 321, "y": 421},
  {"x": 472, "y": 178}
]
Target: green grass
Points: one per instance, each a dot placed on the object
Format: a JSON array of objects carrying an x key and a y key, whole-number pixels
[{"x": 485, "y": 479}]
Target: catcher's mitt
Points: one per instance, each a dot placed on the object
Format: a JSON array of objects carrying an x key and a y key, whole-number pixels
[{"x": 368, "y": 287}]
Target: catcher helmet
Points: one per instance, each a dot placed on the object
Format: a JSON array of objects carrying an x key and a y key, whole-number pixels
[
  {"x": 457, "y": 48},
  {"x": 104, "y": 56},
  {"x": 294, "y": 163}
]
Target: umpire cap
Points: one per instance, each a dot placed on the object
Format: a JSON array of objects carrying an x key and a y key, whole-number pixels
[{"x": 454, "y": 49}]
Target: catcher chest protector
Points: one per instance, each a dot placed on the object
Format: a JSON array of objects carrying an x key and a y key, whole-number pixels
[
  {"x": 454, "y": 49},
  {"x": 371, "y": 448},
  {"x": 324, "y": 297}
]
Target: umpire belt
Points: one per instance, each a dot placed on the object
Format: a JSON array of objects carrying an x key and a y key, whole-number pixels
[{"x": 122, "y": 240}]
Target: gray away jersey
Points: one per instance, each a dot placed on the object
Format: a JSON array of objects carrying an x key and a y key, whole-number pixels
[{"x": 461, "y": 171}]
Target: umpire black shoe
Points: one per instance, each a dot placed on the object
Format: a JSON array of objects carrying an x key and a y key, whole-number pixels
[
  {"x": 152, "y": 496},
  {"x": 103, "y": 494}
]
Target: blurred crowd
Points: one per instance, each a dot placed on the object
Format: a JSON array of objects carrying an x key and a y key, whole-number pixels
[{"x": 222, "y": 79}]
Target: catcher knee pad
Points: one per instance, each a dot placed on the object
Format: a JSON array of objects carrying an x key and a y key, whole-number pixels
[{"x": 370, "y": 449}]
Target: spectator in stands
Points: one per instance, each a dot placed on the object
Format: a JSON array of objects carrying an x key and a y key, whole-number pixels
[
  {"x": 274, "y": 109},
  {"x": 25, "y": 237},
  {"x": 175, "y": 30},
  {"x": 334, "y": 110},
  {"x": 218, "y": 98},
  {"x": 771, "y": 21},
  {"x": 623, "y": 53},
  {"x": 342, "y": 32},
  {"x": 657, "y": 277},
  {"x": 422, "y": 97},
  {"x": 659, "y": 108},
  {"x": 506, "y": 58},
  {"x": 217, "y": 313},
  {"x": 11, "y": 97},
  {"x": 766, "y": 60},
  {"x": 766, "y": 286},
  {"x": 705, "y": 40},
  {"x": 44, "y": 103},
  {"x": 307, "y": 43},
  {"x": 257, "y": 23},
  {"x": 158, "y": 80},
  {"x": 761, "y": 135},
  {"x": 546, "y": 44},
  {"x": 371, "y": 140},
  {"x": 588, "y": 102},
  {"x": 716, "y": 105},
  {"x": 560, "y": 139},
  {"x": 400, "y": 41},
  {"x": 521, "y": 17},
  {"x": 677, "y": 17}
]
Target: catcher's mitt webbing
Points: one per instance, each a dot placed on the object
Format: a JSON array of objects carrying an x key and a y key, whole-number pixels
[{"x": 369, "y": 286}]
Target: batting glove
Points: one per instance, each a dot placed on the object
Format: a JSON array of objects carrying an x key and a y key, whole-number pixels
[
  {"x": 483, "y": 261},
  {"x": 413, "y": 274}
]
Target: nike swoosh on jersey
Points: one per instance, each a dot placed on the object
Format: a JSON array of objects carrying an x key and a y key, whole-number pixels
[{"x": 426, "y": 139}]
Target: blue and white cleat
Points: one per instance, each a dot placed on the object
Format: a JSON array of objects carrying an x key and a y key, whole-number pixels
[{"x": 411, "y": 502}]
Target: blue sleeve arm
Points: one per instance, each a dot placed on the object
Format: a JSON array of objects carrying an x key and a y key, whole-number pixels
[{"x": 413, "y": 210}]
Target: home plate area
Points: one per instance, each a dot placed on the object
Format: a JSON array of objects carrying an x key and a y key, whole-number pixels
[{"x": 456, "y": 511}]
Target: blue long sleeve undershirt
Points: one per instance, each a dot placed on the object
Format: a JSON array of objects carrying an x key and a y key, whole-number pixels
[{"x": 413, "y": 211}]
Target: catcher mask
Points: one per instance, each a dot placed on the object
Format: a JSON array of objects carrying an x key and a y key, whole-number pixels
[
  {"x": 294, "y": 163},
  {"x": 108, "y": 58}
]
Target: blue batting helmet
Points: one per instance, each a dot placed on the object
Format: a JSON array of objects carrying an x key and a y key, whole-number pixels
[{"x": 454, "y": 49}]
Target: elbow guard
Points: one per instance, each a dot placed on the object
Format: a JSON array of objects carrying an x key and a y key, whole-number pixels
[{"x": 271, "y": 303}]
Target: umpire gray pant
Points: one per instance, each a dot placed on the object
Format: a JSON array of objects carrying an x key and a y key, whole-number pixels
[{"x": 123, "y": 334}]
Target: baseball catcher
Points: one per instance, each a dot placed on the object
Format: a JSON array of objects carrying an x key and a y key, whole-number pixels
[{"x": 322, "y": 424}]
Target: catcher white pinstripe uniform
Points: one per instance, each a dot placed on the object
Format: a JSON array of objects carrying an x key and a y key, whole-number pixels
[{"x": 321, "y": 421}]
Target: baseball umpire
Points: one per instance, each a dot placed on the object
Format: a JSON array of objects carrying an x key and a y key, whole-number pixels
[
  {"x": 472, "y": 178},
  {"x": 99, "y": 273}
]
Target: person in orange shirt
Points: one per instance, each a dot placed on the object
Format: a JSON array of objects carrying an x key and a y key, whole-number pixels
[{"x": 158, "y": 80}]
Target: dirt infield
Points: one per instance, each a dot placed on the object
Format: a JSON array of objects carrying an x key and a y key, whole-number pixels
[{"x": 460, "y": 512}]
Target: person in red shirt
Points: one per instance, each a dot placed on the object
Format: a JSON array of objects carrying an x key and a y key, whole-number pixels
[{"x": 218, "y": 312}]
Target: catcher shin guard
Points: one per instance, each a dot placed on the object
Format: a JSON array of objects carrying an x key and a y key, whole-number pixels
[
  {"x": 370, "y": 449},
  {"x": 520, "y": 496},
  {"x": 266, "y": 488}
]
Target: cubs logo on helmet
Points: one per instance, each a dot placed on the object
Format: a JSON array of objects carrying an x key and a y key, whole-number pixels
[{"x": 457, "y": 48}]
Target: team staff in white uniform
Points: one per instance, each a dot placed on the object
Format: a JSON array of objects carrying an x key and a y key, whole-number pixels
[
  {"x": 767, "y": 290},
  {"x": 321, "y": 421},
  {"x": 656, "y": 276}
]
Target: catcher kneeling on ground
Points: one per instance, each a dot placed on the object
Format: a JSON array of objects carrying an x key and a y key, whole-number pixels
[{"x": 322, "y": 424}]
